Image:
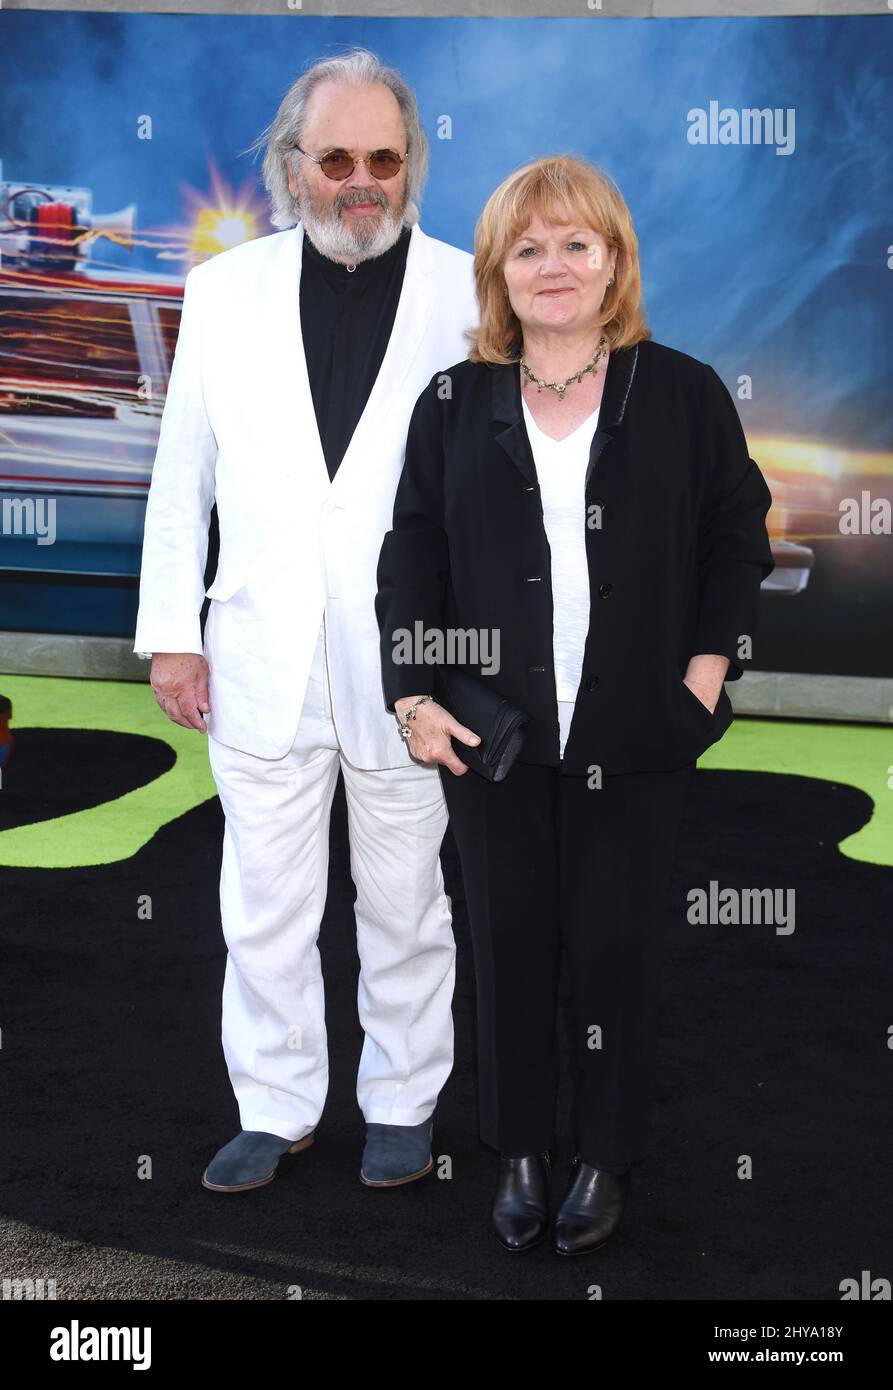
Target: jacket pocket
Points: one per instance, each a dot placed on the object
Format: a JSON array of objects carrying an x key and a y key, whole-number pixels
[
  {"x": 226, "y": 584},
  {"x": 699, "y": 704}
]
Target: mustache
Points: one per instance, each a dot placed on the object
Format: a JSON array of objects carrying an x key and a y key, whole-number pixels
[{"x": 360, "y": 196}]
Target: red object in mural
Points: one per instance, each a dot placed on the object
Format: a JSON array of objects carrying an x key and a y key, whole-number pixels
[{"x": 7, "y": 742}]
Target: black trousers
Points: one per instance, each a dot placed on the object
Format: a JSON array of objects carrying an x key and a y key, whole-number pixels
[{"x": 549, "y": 862}]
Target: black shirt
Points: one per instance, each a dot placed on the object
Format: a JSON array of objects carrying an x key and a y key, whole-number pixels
[{"x": 346, "y": 322}]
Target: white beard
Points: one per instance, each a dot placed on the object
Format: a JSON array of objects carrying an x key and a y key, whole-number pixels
[{"x": 339, "y": 241}]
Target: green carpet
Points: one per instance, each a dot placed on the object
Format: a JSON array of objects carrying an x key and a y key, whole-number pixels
[
  {"x": 858, "y": 755},
  {"x": 120, "y": 828}
]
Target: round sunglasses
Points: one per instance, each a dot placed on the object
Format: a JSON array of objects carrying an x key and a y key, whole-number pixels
[{"x": 340, "y": 164}]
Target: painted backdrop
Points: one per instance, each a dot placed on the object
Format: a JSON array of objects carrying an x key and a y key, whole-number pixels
[{"x": 755, "y": 156}]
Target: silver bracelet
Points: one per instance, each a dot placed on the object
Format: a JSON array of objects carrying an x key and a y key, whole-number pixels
[{"x": 403, "y": 719}]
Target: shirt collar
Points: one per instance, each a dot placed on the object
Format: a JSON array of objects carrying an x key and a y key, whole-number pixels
[{"x": 365, "y": 270}]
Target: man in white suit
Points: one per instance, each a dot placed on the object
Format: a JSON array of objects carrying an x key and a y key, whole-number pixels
[{"x": 299, "y": 359}]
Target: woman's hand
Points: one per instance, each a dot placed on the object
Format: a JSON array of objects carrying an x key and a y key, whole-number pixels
[
  {"x": 432, "y": 727},
  {"x": 704, "y": 677},
  {"x": 705, "y": 694}
]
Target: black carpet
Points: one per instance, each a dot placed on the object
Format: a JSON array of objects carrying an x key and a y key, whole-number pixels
[{"x": 773, "y": 1047}]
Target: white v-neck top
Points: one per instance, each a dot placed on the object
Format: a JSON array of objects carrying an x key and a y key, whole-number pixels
[{"x": 561, "y": 470}]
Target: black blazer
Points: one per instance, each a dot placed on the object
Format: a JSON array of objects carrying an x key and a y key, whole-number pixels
[{"x": 676, "y": 543}]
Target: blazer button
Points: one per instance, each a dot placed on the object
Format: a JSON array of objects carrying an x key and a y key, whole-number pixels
[
  {"x": 604, "y": 590},
  {"x": 591, "y": 683},
  {"x": 536, "y": 668}
]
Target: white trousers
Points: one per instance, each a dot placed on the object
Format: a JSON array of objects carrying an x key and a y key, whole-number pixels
[{"x": 272, "y": 897}]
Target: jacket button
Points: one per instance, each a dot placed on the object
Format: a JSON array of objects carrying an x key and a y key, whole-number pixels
[
  {"x": 591, "y": 683},
  {"x": 604, "y": 590},
  {"x": 536, "y": 668}
]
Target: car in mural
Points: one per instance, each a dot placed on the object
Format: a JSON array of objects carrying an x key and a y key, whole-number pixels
[{"x": 85, "y": 358}]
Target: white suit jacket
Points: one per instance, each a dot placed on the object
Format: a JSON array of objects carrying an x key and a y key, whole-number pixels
[{"x": 239, "y": 427}]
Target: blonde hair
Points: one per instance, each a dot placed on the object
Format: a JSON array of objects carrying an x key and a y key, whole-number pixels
[{"x": 558, "y": 188}]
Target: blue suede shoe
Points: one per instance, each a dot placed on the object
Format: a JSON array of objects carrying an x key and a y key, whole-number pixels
[
  {"x": 249, "y": 1160},
  {"x": 395, "y": 1154}
]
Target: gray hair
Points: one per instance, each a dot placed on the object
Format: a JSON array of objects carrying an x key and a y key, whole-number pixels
[{"x": 357, "y": 67}]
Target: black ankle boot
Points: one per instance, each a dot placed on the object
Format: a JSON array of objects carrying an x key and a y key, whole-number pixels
[
  {"x": 591, "y": 1211},
  {"x": 521, "y": 1205}
]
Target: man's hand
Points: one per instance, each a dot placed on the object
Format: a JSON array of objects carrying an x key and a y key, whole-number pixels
[
  {"x": 432, "y": 727},
  {"x": 704, "y": 677},
  {"x": 180, "y": 684}
]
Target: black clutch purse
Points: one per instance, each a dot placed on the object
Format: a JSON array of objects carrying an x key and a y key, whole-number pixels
[{"x": 502, "y": 727}]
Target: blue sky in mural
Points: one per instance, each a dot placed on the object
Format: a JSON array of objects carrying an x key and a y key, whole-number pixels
[{"x": 758, "y": 262}]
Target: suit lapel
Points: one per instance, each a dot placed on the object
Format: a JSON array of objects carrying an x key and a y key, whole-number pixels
[
  {"x": 286, "y": 380},
  {"x": 507, "y": 410},
  {"x": 414, "y": 309},
  {"x": 280, "y": 363}
]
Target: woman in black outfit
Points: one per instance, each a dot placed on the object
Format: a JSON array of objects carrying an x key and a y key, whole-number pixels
[{"x": 583, "y": 496}]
